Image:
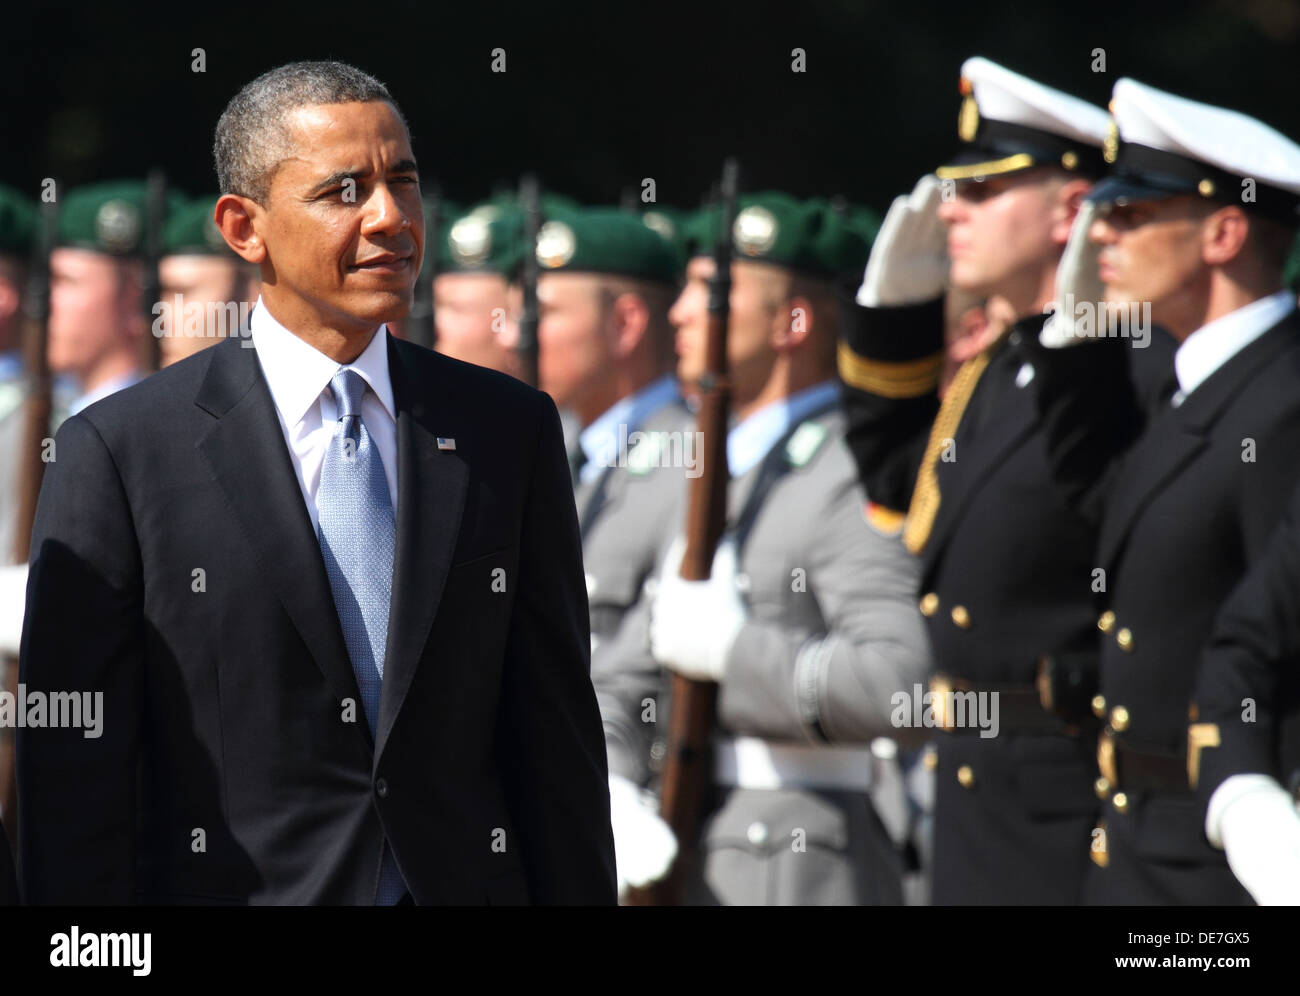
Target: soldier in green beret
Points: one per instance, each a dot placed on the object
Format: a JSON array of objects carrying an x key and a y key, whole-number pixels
[
  {"x": 807, "y": 621},
  {"x": 97, "y": 314},
  {"x": 477, "y": 253},
  {"x": 605, "y": 353},
  {"x": 206, "y": 290}
]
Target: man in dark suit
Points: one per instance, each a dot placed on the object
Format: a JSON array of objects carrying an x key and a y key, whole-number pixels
[
  {"x": 1194, "y": 222},
  {"x": 330, "y": 587}
]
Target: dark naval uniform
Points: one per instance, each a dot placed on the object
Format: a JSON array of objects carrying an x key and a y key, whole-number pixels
[
  {"x": 1183, "y": 514},
  {"x": 1004, "y": 581},
  {"x": 1246, "y": 707}
]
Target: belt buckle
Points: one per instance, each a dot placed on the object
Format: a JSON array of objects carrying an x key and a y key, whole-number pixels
[
  {"x": 940, "y": 696},
  {"x": 1107, "y": 761}
]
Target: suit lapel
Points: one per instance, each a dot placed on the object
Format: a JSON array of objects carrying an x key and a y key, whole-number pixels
[
  {"x": 431, "y": 488},
  {"x": 247, "y": 457},
  {"x": 1175, "y": 437}
]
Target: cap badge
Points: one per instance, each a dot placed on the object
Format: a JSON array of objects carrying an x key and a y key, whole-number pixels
[
  {"x": 968, "y": 119},
  {"x": 555, "y": 244},
  {"x": 755, "y": 230},
  {"x": 660, "y": 223},
  {"x": 117, "y": 226},
  {"x": 1110, "y": 147},
  {"x": 470, "y": 240}
]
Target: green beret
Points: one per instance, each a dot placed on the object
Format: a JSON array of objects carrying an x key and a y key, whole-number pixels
[
  {"x": 811, "y": 236},
  {"x": 17, "y": 222},
  {"x": 487, "y": 239},
  {"x": 607, "y": 240},
  {"x": 191, "y": 231},
  {"x": 109, "y": 217}
]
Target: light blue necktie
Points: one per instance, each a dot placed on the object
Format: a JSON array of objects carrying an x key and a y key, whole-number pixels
[{"x": 357, "y": 535}]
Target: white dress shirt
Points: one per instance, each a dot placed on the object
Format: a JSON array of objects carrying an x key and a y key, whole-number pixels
[
  {"x": 299, "y": 377},
  {"x": 1214, "y": 344}
]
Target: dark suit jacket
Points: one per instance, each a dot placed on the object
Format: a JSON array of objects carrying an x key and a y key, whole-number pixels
[{"x": 175, "y": 569}]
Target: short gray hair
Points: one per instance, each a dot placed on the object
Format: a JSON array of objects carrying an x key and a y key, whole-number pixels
[{"x": 251, "y": 140}]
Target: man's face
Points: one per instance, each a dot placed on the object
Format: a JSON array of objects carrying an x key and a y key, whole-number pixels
[
  {"x": 573, "y": 348},
  {"x": 756, "y": 313},
  {"x": 470, "y": 310},
  {"x": 190, "y": 284},
  {"x": 91, "y": 310},
  {"x": 343, "y": 225},
  {"x": 1150, "y": 251},
  {"x": 999, "y": 230}
]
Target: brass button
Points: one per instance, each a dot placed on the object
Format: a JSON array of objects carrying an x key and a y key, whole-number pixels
[
  {"x": 1102, "y": 787},
  {"x": 960, "y": 616},
  {"x": 1206, "y": 188},
  {"x": 1119, "y": 719},
  {"x": 1125, "y": 639},
  {"x": 929, "y": 604},
  {"x": 1069, "y": 160},
  {"x": 1099, "y": 706},
  {"x": 965, "y": 776},
  {"x": 930, "y": 759},
  {"x": 1107, "y": 621},
  {"x": 1120, "y": 802}
]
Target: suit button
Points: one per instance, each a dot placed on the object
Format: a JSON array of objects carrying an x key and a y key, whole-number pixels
[
  {"x": 960, "y": 617},
  {"x": 929, "y": 604},
  {"x": 1119, "y": 719},
  {"x": 1107, "y": 622},
  {"x": 1125, "y": 639},
  {"x": 381, "y": 788},
  {"x": 1099, "y": 706},
  {"x": 965, "y": 776},
  {"x": 1120, "y": 802},
  {"x": 757, "y": 833},
  {"x": 1102, "y": 787}
]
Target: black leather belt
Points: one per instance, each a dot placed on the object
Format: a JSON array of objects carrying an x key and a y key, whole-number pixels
[
  {"x": 1020, "y": 709},
  {"x": 1129, "y": 770}
]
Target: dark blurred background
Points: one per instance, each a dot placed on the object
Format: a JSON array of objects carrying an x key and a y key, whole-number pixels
[{"x": 598, "y": 96}]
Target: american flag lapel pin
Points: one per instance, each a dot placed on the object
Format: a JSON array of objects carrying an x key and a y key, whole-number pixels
[{"x": 446, "y": 443}]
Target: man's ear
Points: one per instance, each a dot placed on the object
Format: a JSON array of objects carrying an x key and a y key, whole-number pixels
[
  {"x": 239, "y": 218},
  {"x": 1223, "y": 235},
  {"x": 794, "y": 324},
  {"x": 631, "y": 319},
  {"x": 1069, "y": 198}
]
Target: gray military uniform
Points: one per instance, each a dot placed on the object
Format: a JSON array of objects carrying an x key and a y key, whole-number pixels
[
  {"x": 833, "y": 633},
  {"x": 627, "y": 514}
]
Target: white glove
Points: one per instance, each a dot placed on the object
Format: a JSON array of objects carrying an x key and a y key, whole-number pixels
[
  {"x": 13, "y": 599},
  {"x": 1255, "y": 821},
  {"x": 1076, "y": 283},
  {"x": 693, "y": 624},
  {"x": 644, "y": 845},
  {"x": 909, "y": 259}
]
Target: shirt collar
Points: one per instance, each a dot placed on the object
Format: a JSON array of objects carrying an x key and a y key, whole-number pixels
[
  {"x": 11, "y": 365},
  {"x": 1214, "y": 344},
  {"x": 751, "y": 440},
  {"x": 83, "y": 402},
  {"x": 297, "y": 372},
  {"x": 600, "y": 441}
]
